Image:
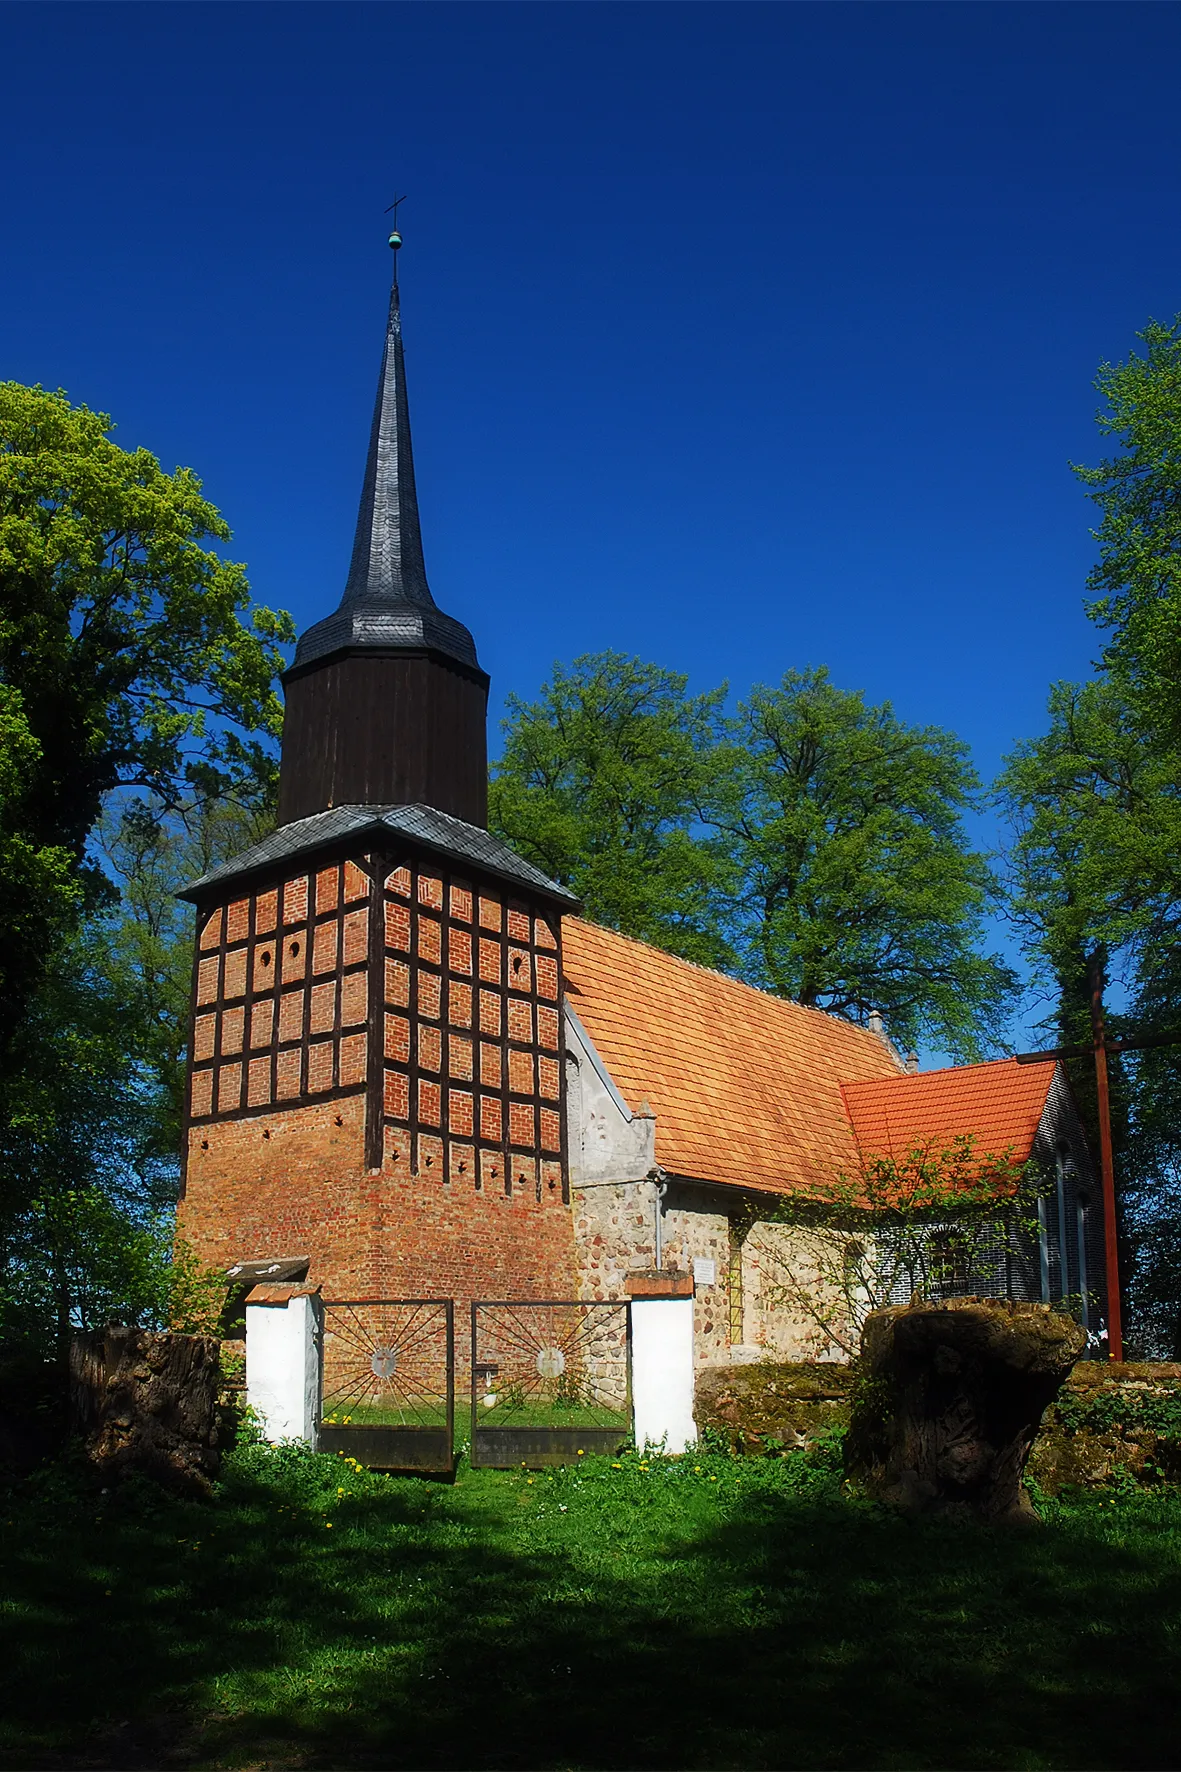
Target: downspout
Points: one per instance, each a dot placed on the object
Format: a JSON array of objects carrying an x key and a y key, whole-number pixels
[
  {"x": 660, "y": 1183},
  {"x": 1060, "y": 1178}
]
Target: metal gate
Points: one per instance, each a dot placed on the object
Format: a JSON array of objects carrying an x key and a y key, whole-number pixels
[
  {"x": 387, "y": 1389},
  {"x": 550, "y": 1379}
]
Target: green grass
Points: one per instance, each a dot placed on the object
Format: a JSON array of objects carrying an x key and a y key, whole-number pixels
[{"x": 700, "y": 1612}]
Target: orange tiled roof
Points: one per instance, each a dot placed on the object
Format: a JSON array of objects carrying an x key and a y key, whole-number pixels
[
  {"x": 745, "y": 1086},
  {"x": 1000, "y": 1103}
]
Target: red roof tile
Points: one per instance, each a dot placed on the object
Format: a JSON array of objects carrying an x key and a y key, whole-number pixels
[
  {"x": 1000, "y": 1104},
  {"x": 745, "y": 1086}
]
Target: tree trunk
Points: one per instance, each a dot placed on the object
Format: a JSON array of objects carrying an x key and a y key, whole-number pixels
[
  {"x": 949, "y": 1400},
  {"x": 146, "y": 1402}
]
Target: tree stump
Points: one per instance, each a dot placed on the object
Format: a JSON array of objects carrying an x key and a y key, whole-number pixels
[
  {"x": 146, "y": 1401},
  {"x": 949, "y": 1400}
]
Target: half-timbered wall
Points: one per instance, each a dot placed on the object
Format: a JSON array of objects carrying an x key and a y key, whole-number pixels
[
  {"x": 473, "y": 1060},
  {"x": 375, "y": 1083},
  {"x": 281, "y": 997}
]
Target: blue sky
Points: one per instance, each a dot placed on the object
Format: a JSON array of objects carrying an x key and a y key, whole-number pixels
[{"x": 740, "y": 337}]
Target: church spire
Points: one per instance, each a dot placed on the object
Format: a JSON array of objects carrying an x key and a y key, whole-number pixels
[
  {"x": 387, "y": 601},
  {"x": 386, "y": 701}
]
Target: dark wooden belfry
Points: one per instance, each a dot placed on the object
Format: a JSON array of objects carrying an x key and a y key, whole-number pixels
[{"x": 386, "y": 700}]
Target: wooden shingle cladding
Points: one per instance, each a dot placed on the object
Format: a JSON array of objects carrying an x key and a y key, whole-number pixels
[
  {"x": 432, "y": 992},
  {"x": 380, "y": 728}
]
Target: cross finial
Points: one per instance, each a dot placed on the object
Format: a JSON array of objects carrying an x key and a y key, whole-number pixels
[{"x": 395, "y": 236}]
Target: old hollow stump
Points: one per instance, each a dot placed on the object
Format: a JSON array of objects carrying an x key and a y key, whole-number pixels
[
  {"x": 949, "y": 1400},
  {"x": 147, "y": 1401}
]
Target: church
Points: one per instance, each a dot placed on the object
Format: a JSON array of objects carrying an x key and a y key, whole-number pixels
[{"x": 416, "y": 1072}]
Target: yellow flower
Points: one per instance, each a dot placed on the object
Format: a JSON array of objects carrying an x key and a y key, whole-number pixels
[
  {"x": 530, "y": 1479},
  {"x": 616, "y": 1467},
  {"x": 340, "y": 1491},
  {"x": 580, "y": 1452},
  {"x": 328, "y": 1524}
]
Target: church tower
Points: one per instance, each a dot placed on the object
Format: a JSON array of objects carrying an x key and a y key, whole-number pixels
[{"x": 376, "y": 1055}]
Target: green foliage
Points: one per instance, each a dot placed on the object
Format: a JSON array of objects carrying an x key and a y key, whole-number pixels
[
  {"x": 78, "y": 1260},
  {"x": 1097, "y": 820},
  {"x": 89, "y": 1144},
  {"x": 40, "y": 896},
  {"x": 921, "y": 1222},
  {"x": 1138, "y": 491},
  {"x": 859, "y": 890},
  {"x": 143, "y": 948},
  {"x": 601, "y": 784},
  {"x": 315, "y": 1613},
  {"x": 1120, "y": 1409},
  {"x": 813, "y": 844},
  {"x": 138, "y": 719},
  {"x": 122, "y": 647}
]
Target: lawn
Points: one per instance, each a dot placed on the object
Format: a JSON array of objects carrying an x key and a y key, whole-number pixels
[{"x": 698, "y": 1612}]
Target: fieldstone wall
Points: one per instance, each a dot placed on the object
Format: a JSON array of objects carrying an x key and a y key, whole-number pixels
[
  {"x": 772, "y": 1407},
  {"x": 1109, "y": 1418}
]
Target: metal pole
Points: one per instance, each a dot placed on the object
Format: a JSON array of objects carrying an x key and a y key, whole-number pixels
[{"x": 1115, "y": 1337}]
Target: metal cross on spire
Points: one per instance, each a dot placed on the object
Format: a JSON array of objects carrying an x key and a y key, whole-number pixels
[{"x": 395, "y": 236}]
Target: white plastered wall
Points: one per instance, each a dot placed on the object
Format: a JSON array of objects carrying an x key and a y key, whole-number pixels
[
  {"x": 283, "y": 1367},
  {"x": 663, "y": 1372}
]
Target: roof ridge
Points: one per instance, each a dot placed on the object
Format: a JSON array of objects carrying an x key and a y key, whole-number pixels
[
  {"x": 945, "y": 1070},
  {"x": 825, "y": 1015}
]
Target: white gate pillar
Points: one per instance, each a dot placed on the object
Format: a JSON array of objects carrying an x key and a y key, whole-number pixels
[
  {"x": 283, "y": 1348},
  {"x": 662, "y": 1359}
]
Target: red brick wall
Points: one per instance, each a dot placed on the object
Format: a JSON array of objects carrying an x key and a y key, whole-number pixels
[{"x": 294, "y": 1182}]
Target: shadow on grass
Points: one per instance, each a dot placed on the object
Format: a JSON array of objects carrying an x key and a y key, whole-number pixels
[{"x": 419, "y": 1630}]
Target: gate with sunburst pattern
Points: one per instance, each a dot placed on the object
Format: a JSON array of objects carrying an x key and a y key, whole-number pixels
[
  {"x": 550, "y": 1380},
  {"x": 387, "y": 1394}
]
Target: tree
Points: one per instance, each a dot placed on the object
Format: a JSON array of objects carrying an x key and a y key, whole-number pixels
[
  {"x": 122, "y": 648},
  {"x": 143, "y": 948},
  {"x": 1095, "y": 805},
  {"x": 40, "y": 897},
  {"x": 1088, "y": 802},
  {"x": 601, "y": 784},
  {"x": 138, "y": 719},
  {"x": 1138, "y": 573},
  {"x": 89, "y": 1146},
  {"x": 859, "y": 889}
]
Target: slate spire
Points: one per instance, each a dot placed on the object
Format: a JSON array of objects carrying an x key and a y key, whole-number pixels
[{"x": 387, "y": 602}]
